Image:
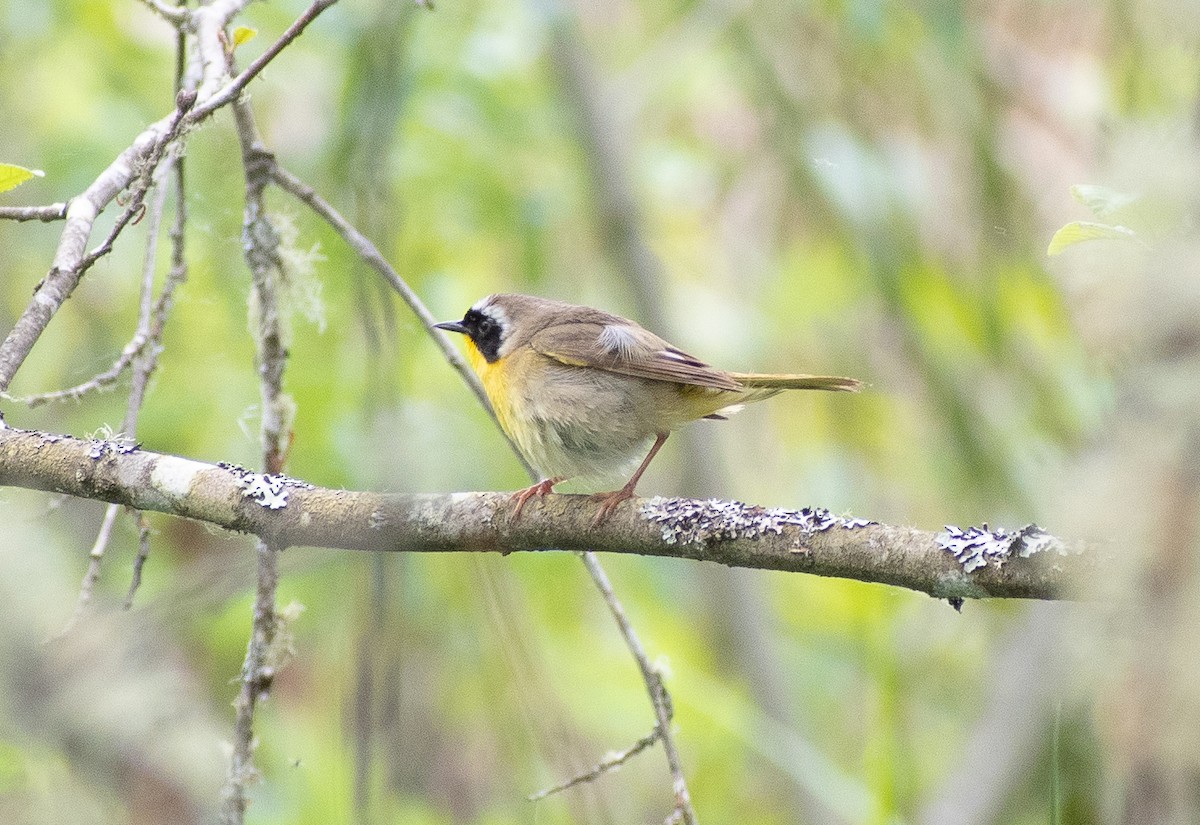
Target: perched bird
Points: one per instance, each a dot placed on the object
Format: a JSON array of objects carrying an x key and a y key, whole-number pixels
[{"x": 582, "y": 392}]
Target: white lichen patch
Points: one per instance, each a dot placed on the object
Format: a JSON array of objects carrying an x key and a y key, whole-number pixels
[
  {"x": 693, "y": 521},
  {"x": 47, "y": 438},
  {"x": 976, "y": 547},
  {"x": 270, "y": 491},
  {"x": 117, "y": 446}
]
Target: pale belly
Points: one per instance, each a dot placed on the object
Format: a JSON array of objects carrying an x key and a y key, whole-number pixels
[{"x": 572, "y": 422}]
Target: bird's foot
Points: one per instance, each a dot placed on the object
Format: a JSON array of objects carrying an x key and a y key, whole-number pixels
[
  {"x": 521, "y": 497},
  {"x": 609, "y": 502}
]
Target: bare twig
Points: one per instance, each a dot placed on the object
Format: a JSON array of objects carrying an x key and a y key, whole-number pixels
[
  {"x": 175, "y": 276},
  {"x": 256, "y": 680},
  {"x": 45, "y": 214},
  {"x": 65, "y": 272},
  {"x": 137, "y": 163},
  {"x": 371, "y": 255},
  {"x": 175, "y": 15},
  {"x": 92, "y": 574},
  {"x": 609, "y": 763},
  {"x": 230, "y": 92},
  {"x": 141, "y": 184},
  {"x": 136, "y": 395},
  {"x": 152, "y": 317},
  {"x": 100, "y": 381},
  {"x": 151, "y": 322},
  {"x": 261, "y": 243},
  {"x": 659, "y": 698},
  {"x": 139, "y": 561},
  {"x": 374, "y": 259}
]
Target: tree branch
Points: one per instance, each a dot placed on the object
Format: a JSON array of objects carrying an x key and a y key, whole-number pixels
[
  {"x": 45, "y": 214},
  {"x": 287, "y": 513},
  {"x": 231, "y": 92},
  {"x": 135, "y": 163}
]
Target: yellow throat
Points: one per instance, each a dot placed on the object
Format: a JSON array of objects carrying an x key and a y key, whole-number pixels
[{"x": 492, "y": 377}]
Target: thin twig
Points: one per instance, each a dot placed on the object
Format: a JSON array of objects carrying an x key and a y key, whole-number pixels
[
  {"x": 371, "y": 255},
  {"x": 148, "y": 336},
  {"x": 177, "y": 16},
  {"x": 45, "y": 214},
  {"x": 92, "y": 575},
  {"x": 100, "y": 381},
  {"x": 233, "y": 89},
  {"x": 619, "y": 224},
  {"x": 139, "y": 561},
  {"x": 135, "y": 165},
  {"x": 261, "y": 244},
  {"x": 659, "y": 697},
  {"x": 256, "y": 680},
  {"x": 176, "y": 275},
  {"x": 152, "y": 316},
  {"x": 141, "y": 185},
  {"x": 611, "y": 763},
  {"x": 64, "y": 273},
  {"x": 136, "y": 394}
]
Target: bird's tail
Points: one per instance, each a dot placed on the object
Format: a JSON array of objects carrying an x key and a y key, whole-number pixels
[{"x": 768, "y": 381}]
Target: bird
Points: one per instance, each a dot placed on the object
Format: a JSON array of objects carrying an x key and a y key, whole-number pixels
[{"x": 584, "y": 394}]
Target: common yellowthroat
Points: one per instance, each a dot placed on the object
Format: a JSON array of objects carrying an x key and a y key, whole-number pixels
[{"x": 582, "y": 392}]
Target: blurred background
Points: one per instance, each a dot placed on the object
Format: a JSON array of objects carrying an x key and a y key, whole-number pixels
[{"x": 862, "y": 188}]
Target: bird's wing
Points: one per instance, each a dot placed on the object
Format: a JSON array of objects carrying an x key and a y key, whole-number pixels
[{"x": 623, "y": 347}]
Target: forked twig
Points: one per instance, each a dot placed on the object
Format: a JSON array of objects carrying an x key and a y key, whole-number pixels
[
  {"x": 146, "y": 358},
  {"x": 371, "y": 255},
  {"x": 609, "y": 763}
]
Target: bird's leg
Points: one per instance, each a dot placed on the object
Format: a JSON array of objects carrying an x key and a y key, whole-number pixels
[
  {"x": 543, "y": 487},
  {"x": 609, "y": 501}
]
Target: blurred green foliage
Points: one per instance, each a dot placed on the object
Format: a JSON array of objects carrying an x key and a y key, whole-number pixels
[{"x": 860, "y": 188}]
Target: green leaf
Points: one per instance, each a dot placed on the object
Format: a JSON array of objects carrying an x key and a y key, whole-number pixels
[
  {"x": 1080, "y": 231},
  {"x": 243, "y": 34},
  {"x": 1102, "y": 200},
  {"x": 13, "y": 176}
]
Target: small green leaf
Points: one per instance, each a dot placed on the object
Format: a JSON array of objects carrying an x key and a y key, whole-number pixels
[
  {"x": 243, "y": 34},
  {"x": 13, "y": 176},
  {"x": 1102, "y": 200},
  {"x": 1080, "y": 231}
]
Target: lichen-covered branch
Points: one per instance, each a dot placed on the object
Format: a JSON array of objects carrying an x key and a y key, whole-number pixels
[{"x": 286, "y": 512}]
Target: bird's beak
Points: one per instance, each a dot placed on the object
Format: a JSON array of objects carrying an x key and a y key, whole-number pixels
[{"x": 452, "y": 326}]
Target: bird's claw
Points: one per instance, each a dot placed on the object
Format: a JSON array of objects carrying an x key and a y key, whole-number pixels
[
  {"x": 521, "y": 497},
  {"x": 609, "y": 502}
]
